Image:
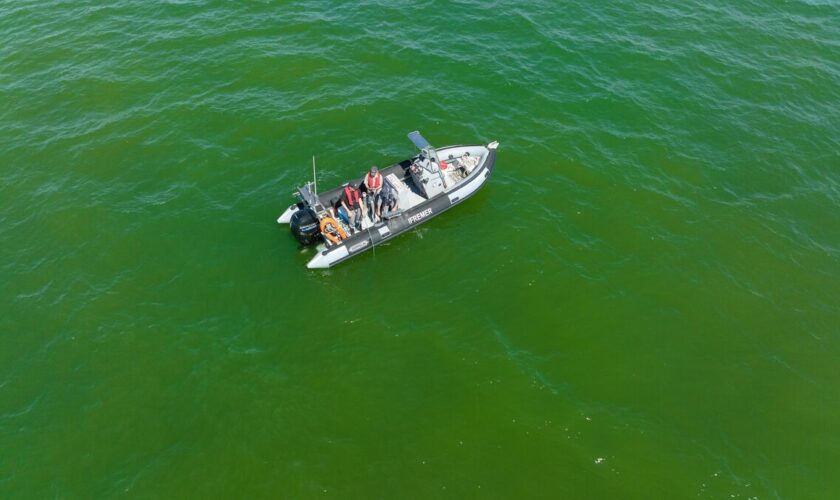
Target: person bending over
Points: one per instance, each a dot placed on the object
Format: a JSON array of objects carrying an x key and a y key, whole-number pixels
[{"x": 389, "y": 203}]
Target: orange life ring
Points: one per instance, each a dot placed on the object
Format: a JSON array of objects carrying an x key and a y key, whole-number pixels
[{"x": 330, "y": 232}]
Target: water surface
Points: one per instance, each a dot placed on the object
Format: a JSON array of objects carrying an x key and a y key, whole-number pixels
[{"x": 642, "y": 303}]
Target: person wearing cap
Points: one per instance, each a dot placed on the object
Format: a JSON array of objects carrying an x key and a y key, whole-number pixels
[
  {"x": 373, "y": 186},
  {"x": 389, "y": 203},
  {"x": 351, "y": 205}
]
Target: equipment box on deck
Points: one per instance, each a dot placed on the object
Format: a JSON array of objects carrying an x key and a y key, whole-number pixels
[{"x": 399, "y": 187}]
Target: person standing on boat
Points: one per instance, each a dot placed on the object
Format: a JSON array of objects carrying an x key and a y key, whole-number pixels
[
  {"x": 373, "y": 185},
  {"x": 351, "y": 205}
]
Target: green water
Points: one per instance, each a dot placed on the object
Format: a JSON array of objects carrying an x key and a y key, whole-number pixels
[{"x": 643, "y": 302}]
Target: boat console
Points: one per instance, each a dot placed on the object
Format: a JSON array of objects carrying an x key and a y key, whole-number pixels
[{"x": 426, "y": 175}]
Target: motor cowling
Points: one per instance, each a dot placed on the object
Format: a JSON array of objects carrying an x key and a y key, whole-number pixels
[{"x": 305, "y": 227}]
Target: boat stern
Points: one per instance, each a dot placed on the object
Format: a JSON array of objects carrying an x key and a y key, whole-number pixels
[{"x": 286, "y": 217}]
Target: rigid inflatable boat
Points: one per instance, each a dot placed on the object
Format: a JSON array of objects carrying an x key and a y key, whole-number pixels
[{"x": 425, "y": 185}]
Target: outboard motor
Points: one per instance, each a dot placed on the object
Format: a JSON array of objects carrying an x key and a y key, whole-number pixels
[{"x": 305, "y": 226}]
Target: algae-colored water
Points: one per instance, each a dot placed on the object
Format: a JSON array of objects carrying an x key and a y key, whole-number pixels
[{"x": 644, "y": 302}]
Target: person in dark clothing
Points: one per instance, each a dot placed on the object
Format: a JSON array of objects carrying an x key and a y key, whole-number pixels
[{"x": 389, "y": 203}]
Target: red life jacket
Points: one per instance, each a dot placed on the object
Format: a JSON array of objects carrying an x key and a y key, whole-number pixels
[
  {"x": 374, "y": 182},
  {"x": 352, "y": 196}
]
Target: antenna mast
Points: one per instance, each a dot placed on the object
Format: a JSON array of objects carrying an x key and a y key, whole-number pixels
[{"x": 314, "y": 177}]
